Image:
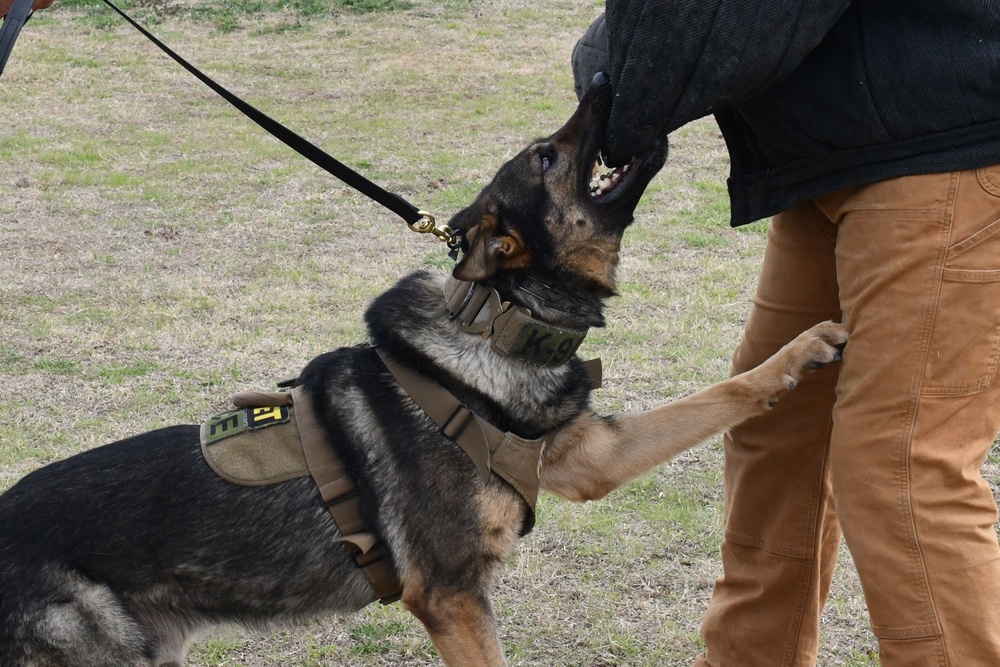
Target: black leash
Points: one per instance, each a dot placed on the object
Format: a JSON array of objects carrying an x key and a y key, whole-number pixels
[
  {"x": 418, "y": 220},
  {"x": 17, "y": 16}
]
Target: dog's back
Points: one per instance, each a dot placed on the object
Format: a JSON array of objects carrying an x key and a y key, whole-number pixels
[
  {"x": 115, "y": 556},
  {"x": 53, "y": 611}
]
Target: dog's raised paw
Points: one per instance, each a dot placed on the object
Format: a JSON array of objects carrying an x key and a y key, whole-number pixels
[
  {"x": 813, "y": 349},
  {"x": 821, "y": 345}
]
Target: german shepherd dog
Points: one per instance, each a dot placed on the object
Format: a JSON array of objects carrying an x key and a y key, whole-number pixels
[{"x": 117, "y": 556}]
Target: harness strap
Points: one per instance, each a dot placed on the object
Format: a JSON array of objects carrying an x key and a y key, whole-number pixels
[
  {"x": 512, "y": 457},
  {"x": 341, "y": 497}
]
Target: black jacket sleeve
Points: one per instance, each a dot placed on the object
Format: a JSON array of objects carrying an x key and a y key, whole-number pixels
[{"x": 672, "y": 61}]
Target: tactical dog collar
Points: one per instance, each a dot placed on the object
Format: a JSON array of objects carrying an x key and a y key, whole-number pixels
[{"x": 511, "y": 330}]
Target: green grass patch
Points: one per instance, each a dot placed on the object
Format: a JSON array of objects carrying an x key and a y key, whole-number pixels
[
  {"x": 119, "y": 373},
  {"x": 57, "y": 366}
]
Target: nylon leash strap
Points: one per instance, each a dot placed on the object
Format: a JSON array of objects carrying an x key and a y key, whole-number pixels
[
  {"x": 18, "y": 15},
  {"x": 310, "y": 151}
]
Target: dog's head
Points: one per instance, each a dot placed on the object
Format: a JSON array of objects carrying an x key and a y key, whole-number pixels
[{"x": 554, "y": 212}]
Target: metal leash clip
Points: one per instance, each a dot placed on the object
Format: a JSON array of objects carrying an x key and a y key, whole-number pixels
[{"x": 427, "y": 223}]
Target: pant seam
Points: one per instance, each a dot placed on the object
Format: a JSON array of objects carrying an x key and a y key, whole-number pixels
[
  {"x": 914, "y": 632},
  {"x": 781, "y": 551},
  {"x": 807, "y": 579},
  {"x": 917, "y": 385}
]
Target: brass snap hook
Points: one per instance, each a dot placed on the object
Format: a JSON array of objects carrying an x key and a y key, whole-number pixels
[{"x": 427, "y": 224}]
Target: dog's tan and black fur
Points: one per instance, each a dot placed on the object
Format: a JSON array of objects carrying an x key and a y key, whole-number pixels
[{"x": 117, "y": 556}]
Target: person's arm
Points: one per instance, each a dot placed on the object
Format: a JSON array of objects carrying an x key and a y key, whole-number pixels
[{"x": 672, "y": 61}]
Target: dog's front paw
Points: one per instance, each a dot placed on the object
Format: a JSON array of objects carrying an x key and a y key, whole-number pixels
[
  {"x": 820, "y": 346},
  {"x": 812, "y": 349}
]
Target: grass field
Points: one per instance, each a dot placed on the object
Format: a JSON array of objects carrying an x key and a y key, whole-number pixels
[{"x": 158, "y": 252}]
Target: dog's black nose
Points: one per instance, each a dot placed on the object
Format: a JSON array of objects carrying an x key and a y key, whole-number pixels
[{"x": 600, "y": 79}]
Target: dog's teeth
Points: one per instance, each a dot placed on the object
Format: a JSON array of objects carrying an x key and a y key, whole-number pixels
[{"x": 603, "y": 178}]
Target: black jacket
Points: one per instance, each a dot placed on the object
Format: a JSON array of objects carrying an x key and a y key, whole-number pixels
[{"x": 811, "y": 95}]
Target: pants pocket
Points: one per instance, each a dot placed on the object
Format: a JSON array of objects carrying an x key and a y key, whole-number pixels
[{"x": 964, "y": 349}]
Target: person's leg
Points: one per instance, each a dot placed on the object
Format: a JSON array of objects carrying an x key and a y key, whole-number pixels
[
  {"x": 781, "y": 537},
  {"x": 918, "y": 407}
]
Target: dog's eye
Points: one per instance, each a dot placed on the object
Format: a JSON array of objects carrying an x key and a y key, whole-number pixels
[{"x": 547, "y": 160}]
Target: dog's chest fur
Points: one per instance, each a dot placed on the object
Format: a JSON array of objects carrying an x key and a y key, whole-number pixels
[{"x": 420, "y": 490}]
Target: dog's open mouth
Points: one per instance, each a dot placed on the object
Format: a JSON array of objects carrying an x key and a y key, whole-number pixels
[{"x": 608, "y": 183}]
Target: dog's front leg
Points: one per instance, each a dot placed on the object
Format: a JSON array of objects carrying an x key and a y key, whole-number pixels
[
  {"x": 460, "y": 623},
  {"x": 594, "y": 455}
]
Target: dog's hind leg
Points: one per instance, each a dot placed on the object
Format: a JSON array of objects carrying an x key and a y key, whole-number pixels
[
  {"x": 87, "y": 626},
  {"x": 460, "y": 623},
  {"x": 169, "y": 633}
]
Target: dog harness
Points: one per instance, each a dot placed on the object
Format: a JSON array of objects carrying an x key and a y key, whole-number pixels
[
  {"x": 517, "y": 460},
  {"x": 294, "y": 446}
]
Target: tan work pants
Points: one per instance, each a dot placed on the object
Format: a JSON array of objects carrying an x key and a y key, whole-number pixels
[{"x": 890, "y": 451}]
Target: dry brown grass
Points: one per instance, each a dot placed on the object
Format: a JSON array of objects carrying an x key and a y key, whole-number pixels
[{"x": 158, "y": 253}]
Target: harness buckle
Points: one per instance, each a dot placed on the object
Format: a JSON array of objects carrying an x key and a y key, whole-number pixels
[{"x": 458, "y": 422}]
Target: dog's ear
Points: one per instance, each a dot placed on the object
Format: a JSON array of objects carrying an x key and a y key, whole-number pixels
[{"x": 490, "y": 251}]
